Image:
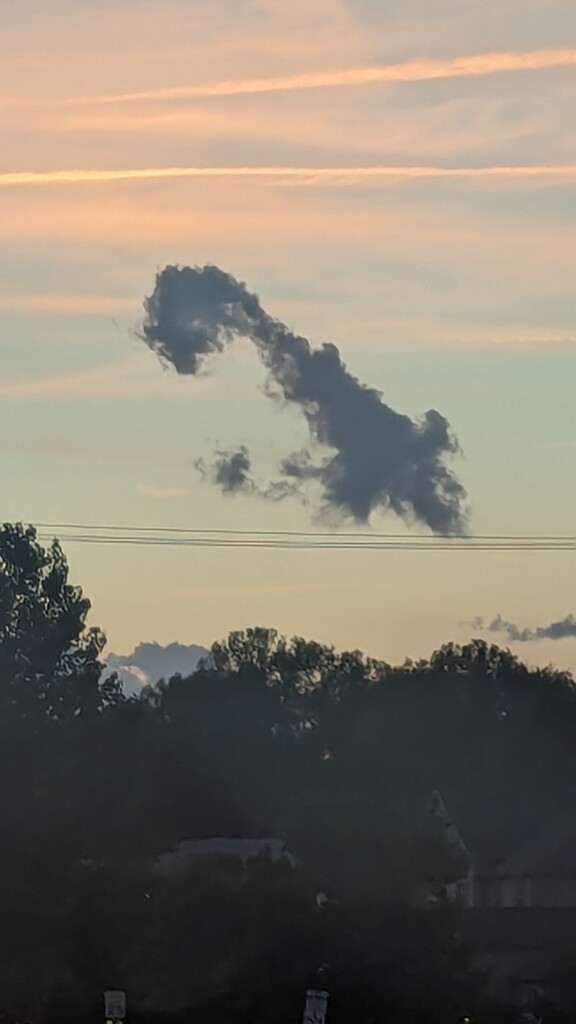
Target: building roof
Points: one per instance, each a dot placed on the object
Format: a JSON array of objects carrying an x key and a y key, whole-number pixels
[{"x": 238, "y": 847}]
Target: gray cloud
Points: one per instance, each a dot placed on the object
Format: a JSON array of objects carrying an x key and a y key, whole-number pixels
[
  {"x": 149, "y": 662},
  {"x": 231, "y": 470},
  {"x": 370, "y": 456},
  {"x": 555, "y": 631}
]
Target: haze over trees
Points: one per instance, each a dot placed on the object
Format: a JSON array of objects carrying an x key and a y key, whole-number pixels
[{"x": 334, "y": 752}]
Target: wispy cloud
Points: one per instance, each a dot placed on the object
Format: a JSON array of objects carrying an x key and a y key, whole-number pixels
[
  {"x": 103, "y": 382},
  {"x": 162, "y": 493},
  {"x": 64, "y": 305},
  {"x": 409, "y": 71},
  {"x": 301, "y": 175},
  {"x": 129, "y": 379},
  {"x": 560, "y": 630}
]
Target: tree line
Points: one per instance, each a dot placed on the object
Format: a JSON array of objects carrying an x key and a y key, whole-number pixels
[{"x": 336, "y": 753}]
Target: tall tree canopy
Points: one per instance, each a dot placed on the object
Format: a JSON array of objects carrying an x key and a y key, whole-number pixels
[{"x": 49, "y": 658}]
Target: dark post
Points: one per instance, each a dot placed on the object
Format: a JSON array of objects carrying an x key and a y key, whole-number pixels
[{"x": 114, "y": 1007}]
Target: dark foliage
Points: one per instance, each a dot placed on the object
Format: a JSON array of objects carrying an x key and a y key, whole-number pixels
[{"x": 335, "y": 753}]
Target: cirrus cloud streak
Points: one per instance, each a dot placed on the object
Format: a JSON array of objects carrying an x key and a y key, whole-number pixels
[
  {"x": 410, "y": 71},
  {"x": 302, "y": 175}
]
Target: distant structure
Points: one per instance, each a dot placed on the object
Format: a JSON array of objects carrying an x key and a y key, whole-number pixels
[
  {"x": 238, "y": 848},
  {"x": 518, "y": 900},
  {"x": 506, "y": 873}
]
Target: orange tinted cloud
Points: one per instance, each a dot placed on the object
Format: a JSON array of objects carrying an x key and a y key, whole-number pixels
[
  {"x": 66, "y": 305},
  {"x": 310, "y": 175},
  {"x": 409, "y": 71},
  {"x": 134, "y": 377}
]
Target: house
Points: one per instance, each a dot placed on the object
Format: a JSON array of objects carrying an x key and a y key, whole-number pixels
[
  {"x": 540, "y": 874},
  {"x": 506, "y": 870},
  {"x": 239, "y": 848},
  {"x": 518, "y": 900}
]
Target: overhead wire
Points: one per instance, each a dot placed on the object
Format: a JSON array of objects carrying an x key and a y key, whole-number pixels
[
  {"x": 290, "y": 540},
  {"x": 302, "y": 533}
]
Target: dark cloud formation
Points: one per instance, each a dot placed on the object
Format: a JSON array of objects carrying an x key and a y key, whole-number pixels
[
  {"x": 231, "y": 470},
  {"x": 369, "y": 456},
  {"x": 555, "y": 631}
]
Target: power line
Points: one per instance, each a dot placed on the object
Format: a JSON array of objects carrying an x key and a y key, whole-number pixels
[
  {"x": 126, "y": 541},
  {"x": 298, "y": 540},
  {"x": 369, "y": 534},
  {"x": 208, "y": 542}
]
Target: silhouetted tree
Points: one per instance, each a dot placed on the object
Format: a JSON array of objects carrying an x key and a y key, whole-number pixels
[
  {"x": 335, "y": 752},
  {"x": 48, "y": 656}
]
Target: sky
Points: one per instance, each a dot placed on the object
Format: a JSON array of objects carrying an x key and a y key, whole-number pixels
[{"x": 393, "y": 176}]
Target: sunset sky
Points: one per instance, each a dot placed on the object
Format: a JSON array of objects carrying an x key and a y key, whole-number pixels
[{"x": 394, "y": 176}]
